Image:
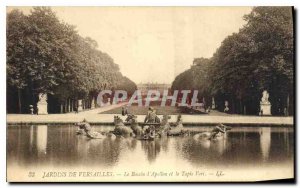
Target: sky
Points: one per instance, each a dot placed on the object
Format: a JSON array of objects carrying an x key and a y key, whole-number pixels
[{"x": 154, "y": 44}]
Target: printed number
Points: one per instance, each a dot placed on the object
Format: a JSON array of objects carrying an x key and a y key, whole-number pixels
[{"x": 31, "y": 174}]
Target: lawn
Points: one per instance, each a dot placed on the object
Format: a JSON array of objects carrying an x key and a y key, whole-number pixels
[
  {"x": 160, "y": 110},
  {"x": 141, "y": 110}
]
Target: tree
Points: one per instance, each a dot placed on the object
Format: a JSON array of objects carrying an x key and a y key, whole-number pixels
[
  {"x": 259, "y": 57},
  {"x": 127, "y": 85},
  {"x": 46, "y": 55},
  {"x": 16, "y": 71},
  {"x": 274, "y": 56}
]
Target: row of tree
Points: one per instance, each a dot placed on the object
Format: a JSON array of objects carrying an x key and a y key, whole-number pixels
[
  {"x": 48, "y": 56},
  {"x": 259, "y": 57}
]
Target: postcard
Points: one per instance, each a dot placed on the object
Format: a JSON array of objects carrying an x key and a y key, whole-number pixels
[{"x": 150, "y": 94}]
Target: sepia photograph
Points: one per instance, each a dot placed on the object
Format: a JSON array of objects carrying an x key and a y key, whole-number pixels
[{"x": 150, "y": 94}]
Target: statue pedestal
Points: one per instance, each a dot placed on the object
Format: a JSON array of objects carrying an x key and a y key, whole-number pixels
[
  {"x": 265, "y": 109},
  {"x": 42, "y": 105}
]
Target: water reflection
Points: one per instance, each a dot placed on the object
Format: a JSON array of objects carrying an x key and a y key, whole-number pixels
[
  {"x": 203, "y": 151},
  {"x": 31, "y": 138},
  {"x": 151, "y": 148},
  {"x": 220, "y": 145},
  {"x": 265, "y": 142},
  {"x": 41, "y": 139},
  {"x": 60, "y": 146},
  {"x": 97, "y": 151}
]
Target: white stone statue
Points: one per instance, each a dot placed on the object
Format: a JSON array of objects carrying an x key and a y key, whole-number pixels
[
  {"x": 42, "y": 105},
  {"x": 265, "y": 105},
  {"x": 265, "y": 97}
]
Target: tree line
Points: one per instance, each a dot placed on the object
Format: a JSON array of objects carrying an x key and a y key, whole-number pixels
[
  {"x": 259, "y": 57},
  {"x": 46, "y": 55}
]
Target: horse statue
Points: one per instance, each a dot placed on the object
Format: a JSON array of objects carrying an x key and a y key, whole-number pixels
[
  {"x": 216, "y": 134},
  {"x": 120, "y": 128},
  {"x": 132, "y": 120},
  {"x": 178, "y": 129},
  {"x": 164, "y": 127},
  {"x": 84, "y": 128}
]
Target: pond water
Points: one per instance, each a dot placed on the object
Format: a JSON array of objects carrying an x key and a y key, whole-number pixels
[{"x": 57, "y": 147}]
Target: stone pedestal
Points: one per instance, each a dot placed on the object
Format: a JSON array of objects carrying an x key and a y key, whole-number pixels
[
  {"x": 42, "y": 105},
  {"x": 80, "y": 105},
  {"x": 265, "y": 109}
]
